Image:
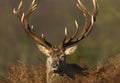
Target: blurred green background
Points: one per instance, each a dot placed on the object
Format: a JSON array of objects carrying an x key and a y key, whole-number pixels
[{"x": 50, "y": 18}]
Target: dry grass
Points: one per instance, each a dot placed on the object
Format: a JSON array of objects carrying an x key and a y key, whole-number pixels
[
  {"x": 21, "y": 73},
  {"x": 106, "y": 72}
]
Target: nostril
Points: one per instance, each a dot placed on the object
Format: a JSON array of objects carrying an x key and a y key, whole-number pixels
[{"x": 54, "y": 65}]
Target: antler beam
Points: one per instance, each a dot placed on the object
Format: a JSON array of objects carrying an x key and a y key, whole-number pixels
[
  {"x": 28, "y": 29},
  {"x": 88, "y": 26}
]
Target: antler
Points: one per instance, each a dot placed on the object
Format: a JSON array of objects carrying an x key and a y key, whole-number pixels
[
  {"x": 28, "y": 29},
  {"x": 89, "y": 21}
]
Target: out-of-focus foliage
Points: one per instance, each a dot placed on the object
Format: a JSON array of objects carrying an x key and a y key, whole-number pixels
[
  {"x": 101, "y": 73},
  {"x": 50, "y": 18}
]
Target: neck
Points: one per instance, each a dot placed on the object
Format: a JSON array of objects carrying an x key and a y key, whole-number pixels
[{"x": 49, "y": 72}]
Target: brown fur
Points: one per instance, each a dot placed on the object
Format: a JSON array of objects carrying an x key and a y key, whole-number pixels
[{"x": 106, "y": 72}]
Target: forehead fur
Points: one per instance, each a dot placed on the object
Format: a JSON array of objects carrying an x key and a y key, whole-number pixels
[{"x": 56, "y": 51}]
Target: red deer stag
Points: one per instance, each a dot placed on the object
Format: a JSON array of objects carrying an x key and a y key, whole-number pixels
[{"x": 56, "y": 55}]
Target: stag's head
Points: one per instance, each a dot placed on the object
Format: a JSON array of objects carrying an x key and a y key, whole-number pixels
[{"x": 57, "y": 54}]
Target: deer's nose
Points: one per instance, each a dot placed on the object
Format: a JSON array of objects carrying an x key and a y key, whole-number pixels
[{"x": 54, "y": 65}]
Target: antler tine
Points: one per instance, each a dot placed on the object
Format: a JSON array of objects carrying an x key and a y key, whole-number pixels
[
  {"x": 19, "y": 7},
  {"x": 65, "y": 37},
  {"x": 17, "y": 11},
  {"x": 28, "y": 29},
  {"x": 31, "y": 8},
  {"x": 95, "y": 12},
  {"x": 66, "y": 32},
  {"x": 76, "y": 32},
  {"x": 87, "y": 28},
  {"x": 89, "y": 21}
]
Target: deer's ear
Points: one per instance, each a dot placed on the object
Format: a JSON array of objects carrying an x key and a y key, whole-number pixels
[
  {"x": 43, "y": 49},
  {"x": 70, "y": 50}
]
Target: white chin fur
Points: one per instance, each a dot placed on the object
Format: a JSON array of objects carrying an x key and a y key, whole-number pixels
[{"x": 53, "y": 69}]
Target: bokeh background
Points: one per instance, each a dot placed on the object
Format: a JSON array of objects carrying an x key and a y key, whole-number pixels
[{"x": 50, "y": 18}]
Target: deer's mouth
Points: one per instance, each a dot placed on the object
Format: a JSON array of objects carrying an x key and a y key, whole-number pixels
[{"x": 55, "y": 69}]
